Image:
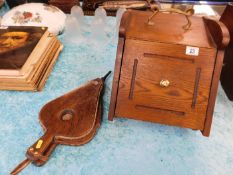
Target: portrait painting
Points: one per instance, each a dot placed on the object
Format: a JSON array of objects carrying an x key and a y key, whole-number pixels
[{"x": 16, "y": 46}]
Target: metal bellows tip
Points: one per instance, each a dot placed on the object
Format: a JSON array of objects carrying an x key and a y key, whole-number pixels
[{"x": 104, "y": 77}]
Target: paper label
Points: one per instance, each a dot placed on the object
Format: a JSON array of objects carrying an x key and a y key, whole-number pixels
[{"x": 193, "y": 51}]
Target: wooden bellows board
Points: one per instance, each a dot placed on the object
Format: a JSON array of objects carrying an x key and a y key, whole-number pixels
[
  {"x": 71, "y": 119},
  {"x": 165, "y": 73}
]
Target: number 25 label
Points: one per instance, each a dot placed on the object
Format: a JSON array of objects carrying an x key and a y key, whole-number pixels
[{"x": 194, "y": 51}]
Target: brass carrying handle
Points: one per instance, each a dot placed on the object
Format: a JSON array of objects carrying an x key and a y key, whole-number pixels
[{"x": 187, "y": 13}]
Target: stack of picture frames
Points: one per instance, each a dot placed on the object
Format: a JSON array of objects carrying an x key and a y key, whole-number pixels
[{"x": 27, "y": 56}]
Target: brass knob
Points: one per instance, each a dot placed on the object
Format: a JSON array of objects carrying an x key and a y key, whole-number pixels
[{"x": 164, "y": 83}]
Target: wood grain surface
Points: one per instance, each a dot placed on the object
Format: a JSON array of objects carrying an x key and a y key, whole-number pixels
[{"x": 147, "y": 93}]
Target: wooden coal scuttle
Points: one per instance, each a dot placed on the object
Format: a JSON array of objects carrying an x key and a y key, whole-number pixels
[{"x": 167, "y": 72}]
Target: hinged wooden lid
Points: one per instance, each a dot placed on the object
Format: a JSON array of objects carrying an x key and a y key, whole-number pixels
[{"x": 167, "y": 28}]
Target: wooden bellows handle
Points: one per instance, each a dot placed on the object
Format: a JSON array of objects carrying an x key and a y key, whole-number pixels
[{"x": 37, "y": 151}]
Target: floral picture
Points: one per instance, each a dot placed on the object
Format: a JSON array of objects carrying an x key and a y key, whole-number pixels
[{"x": 25, "y": 17}]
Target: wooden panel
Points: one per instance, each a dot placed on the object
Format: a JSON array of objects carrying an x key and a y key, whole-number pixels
[
  {"x": 150, "y": 72},
  {"x": 183, "y": 102},
  {"x": 116, "y": 78},
  {"x": 221, "y": 36},
  {"x": 165, "y": 30},
  {"x": 213, "y": 93}
]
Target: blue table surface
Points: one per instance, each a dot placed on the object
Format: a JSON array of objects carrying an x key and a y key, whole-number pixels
[{"x": 121, "y": 147}]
